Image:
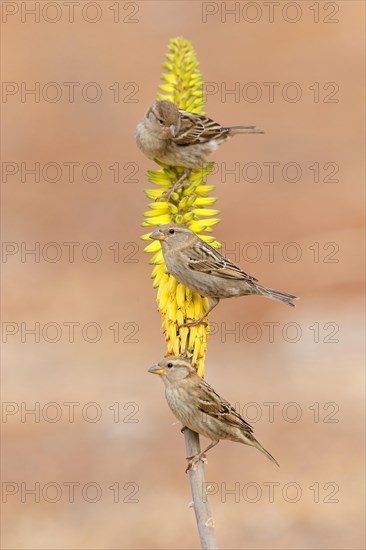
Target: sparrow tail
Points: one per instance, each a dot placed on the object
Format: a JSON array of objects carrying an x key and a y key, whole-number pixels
[
  {"x": 276, "y": 295},
  {"x": 244, "y": 130},
  {"x": 258, "y": 446}
]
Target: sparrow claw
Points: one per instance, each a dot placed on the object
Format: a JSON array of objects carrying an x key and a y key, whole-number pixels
[
  {"x": 177, "y": 185},
  {"x": 166, "y": 195},
  {"x": 194, "y": 461},
  {"x": 193, "y": 323}
]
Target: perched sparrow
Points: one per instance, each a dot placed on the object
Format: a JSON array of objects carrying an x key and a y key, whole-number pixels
[
  {"x": 178, "y": 138},
  {"x": 203, "y": 269},
  {"x": 200, "y": 408}
]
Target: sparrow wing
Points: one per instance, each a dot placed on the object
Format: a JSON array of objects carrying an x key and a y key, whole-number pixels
[
  {"x": 198, "y": 129},
  {"x": 210, "y": 403},
  {"x": 206, "y": 259}
]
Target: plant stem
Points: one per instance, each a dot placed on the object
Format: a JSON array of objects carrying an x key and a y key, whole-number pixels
[{"x": 202, "y": 509}]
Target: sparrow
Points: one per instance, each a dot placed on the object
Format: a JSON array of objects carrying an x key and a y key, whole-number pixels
[
  {"x": 175, "y": 137},
  {"x": 198, "y": 407},
  {"x": 202, "y": 268}
]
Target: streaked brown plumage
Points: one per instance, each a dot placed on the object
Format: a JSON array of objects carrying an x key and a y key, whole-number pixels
[
  {"x": 198, "y": 407},
  {"x": 178, "y": 138},
  {"x": 203, "y": 269}
]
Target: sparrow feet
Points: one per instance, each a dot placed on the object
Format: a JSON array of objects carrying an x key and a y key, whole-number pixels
[
  {"x": 178, "y": 184},
  {"x": 167, "y": 195},
  {"x": 194, "y": 461},
  {"x": 194, "y": 323}
]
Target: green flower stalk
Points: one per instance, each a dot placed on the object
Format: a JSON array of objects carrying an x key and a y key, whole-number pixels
[{"x": 190, "y": 206}]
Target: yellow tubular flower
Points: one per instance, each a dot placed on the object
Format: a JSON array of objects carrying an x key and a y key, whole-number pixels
[{"x": 190, "y": 205}]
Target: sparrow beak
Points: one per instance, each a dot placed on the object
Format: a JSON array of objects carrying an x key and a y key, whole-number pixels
[
  {"x": 157, "y": 235},
  {"x": 173, "y": 130},
  {"x": 155, "y": 369}
]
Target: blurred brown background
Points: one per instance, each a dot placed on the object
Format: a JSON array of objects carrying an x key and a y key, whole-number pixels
[{"x": 122, "y": 450}]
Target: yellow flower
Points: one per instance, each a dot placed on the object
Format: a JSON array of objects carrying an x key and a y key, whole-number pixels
[{"x": 190, "y": 205}]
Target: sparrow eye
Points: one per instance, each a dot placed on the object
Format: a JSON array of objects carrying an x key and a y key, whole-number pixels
[
  {"x": 161, "y": 121},
  {"x": 169, "y": 365},
  {"x": 171, "y": 231}
]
